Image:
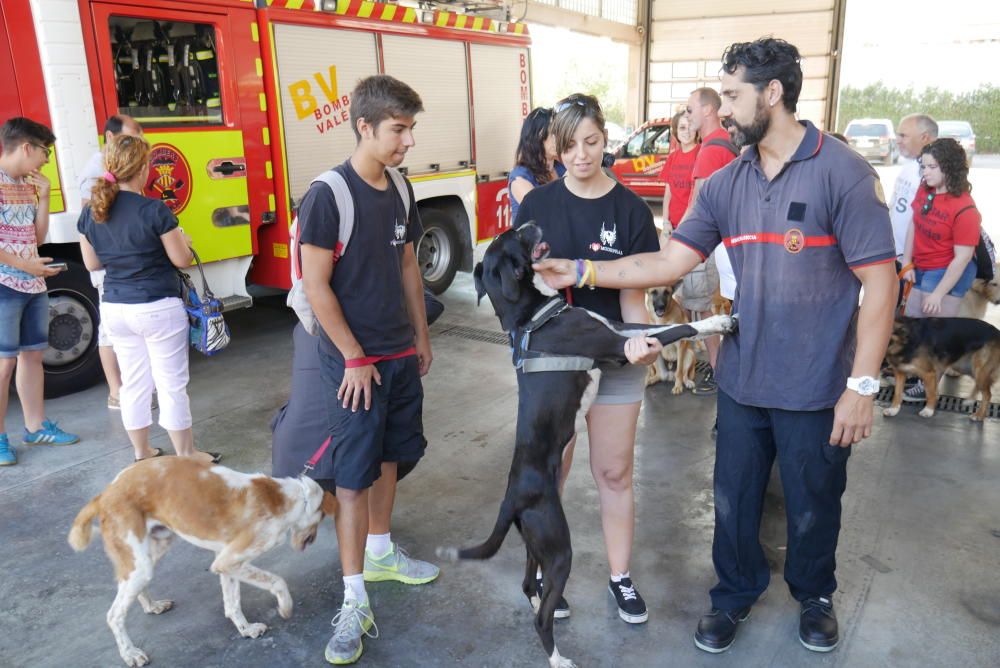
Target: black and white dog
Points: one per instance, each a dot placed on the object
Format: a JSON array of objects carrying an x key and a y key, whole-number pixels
[{"x": 555, "y": 349}]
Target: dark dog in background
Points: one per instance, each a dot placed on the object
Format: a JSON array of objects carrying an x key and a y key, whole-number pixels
[
  {"x": 665, "y": 310},
  {"x": 927, "y": 347},
  {"x": 550, "y": 406}
]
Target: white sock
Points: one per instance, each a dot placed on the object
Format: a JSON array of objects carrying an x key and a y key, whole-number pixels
[
  {"x": 618, "y": 578},
  {"x": 354, "y": 588},
  {"x": 378, "y": 544}
]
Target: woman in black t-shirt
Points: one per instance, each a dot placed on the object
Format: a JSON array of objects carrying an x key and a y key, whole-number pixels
[
  {"x": 138, "y": 242},
  {"x": 588, "y": 215}
]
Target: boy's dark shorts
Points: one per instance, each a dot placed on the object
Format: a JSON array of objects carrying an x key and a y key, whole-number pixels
[{"x": 391, "y": 430}]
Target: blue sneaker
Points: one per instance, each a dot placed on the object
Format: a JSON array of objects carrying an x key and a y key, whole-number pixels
[
  {"x": 49, "y": 434},
  {"x": 7, "y": 456}
]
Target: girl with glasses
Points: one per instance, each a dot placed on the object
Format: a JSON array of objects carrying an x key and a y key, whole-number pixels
[{"x": 942, "y": 238}]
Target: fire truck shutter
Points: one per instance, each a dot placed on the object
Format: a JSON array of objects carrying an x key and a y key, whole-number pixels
[
  {"x": 498, "y": 75},
  {"x": 317, "y": 67},
  {"x": 437, "y": 70}
]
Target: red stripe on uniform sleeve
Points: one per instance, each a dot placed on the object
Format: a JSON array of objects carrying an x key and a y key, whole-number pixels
[{"x": 689, "y": 244}]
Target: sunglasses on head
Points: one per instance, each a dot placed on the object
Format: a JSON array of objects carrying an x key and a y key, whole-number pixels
[
  {"x": 569, "y": 103},
  {"x": 928, "y": 204}
]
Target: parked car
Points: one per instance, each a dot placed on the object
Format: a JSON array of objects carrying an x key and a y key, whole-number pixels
[
  {"x": 874, "y": 139},
  {"x": 640, "y": 158},
  {"x": 960, "y": 131}
]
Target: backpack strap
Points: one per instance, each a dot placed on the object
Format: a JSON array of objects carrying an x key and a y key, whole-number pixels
[
  {"x": 725, "y": 143},
  {"x": 399, "y": 181},
  {"x": 345, "y": 207}
]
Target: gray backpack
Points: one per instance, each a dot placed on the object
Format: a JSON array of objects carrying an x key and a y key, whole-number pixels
[{"x": 337, "y": 182}]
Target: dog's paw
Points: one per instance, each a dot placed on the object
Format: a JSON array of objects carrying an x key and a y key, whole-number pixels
[
  {"x": 677, "y": 389},
  {"x": 926, "y": 412},
  {"x": 158, "y": 607},
  {"x": 557, "y": 661},
  {"x": 253, "y": 630},
  {"x": 285, "y": 605},
  {"x": 449, "y": 553},
  {"x": 689, "y": 384},
  {"x": 717, "y": 324},
  {"x": 892, "y": 411},
  {"x": 133, "y": 656},
  {"x": 975, "y": 418}
]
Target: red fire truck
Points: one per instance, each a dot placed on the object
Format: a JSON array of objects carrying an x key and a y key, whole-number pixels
[{"x": 244, "y": 102}]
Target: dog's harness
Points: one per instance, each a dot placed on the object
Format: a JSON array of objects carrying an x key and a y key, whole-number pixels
[{"x": 530, "y": 361}]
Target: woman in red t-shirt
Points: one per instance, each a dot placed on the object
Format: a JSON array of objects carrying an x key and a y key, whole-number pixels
[
  {"x": 943, "y": 236},
  {"x": 677, "y": 173}
]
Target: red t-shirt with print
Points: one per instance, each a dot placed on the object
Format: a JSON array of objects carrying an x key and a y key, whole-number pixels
[
  {"x": 950, "y": 221},
  {"x": 676, "y": 173},
  {"x": 712, "y": 158}
]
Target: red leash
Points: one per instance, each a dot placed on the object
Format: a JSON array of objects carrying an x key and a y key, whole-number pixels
[{"x": 353, "y": 364}]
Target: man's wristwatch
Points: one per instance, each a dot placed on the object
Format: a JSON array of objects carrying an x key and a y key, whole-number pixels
[{"x": 866, "y": 386}]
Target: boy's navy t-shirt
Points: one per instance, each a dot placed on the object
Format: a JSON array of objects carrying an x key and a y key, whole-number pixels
[
  {"x": 368, "y": 278},
  {"x": 606, "y": 228},
  {"x": 129, "y": 246}
]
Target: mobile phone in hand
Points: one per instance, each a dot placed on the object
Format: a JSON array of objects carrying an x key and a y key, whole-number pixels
[{"x": 61, "y": 266}]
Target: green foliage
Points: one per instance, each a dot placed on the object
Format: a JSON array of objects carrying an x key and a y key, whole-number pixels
[{"x": 978, "y": 107}]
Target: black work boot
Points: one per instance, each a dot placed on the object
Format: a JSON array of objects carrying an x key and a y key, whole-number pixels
[
  {"x": 717, "y": 629},
  {"x": 818, "y": 624}
]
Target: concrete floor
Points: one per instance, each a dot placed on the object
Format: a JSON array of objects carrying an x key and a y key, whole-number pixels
[{"x": 918, "y": 558}]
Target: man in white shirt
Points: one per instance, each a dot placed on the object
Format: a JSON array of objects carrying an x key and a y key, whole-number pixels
[
  {"x": 912, "y": 134},
  {"x": 94, "y": 169}
]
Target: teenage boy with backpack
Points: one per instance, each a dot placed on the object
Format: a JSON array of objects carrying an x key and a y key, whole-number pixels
[{"x": 374, "y": 346}]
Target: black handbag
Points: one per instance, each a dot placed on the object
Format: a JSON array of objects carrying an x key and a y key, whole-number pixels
[{"x": 209, "y": 332}]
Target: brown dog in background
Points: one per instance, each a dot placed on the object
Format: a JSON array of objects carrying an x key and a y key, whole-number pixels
[
  {"x": 927, "y": 347},
  {"x": 665, "y": 310},
  {"x": 980, "y": 296},
  {"x": 238, "y": 516}
]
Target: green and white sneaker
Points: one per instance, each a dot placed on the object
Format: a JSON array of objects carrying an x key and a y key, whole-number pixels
[
  {"x": 397, "y": 565},
  {"x": 349, "y": 625}
]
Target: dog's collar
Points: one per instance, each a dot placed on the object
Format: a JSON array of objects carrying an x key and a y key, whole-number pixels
[{"x": 529, "y": 361}]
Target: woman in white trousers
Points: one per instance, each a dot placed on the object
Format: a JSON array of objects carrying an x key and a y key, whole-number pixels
[{"x": 138, "y": 242}]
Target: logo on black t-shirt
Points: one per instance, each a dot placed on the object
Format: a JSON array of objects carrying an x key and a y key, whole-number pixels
[
  {"x": 400, "y": 231},
  {"x": 608, "y": 239}
]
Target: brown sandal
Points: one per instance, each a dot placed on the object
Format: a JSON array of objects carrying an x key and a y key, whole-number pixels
[{"x": 156, "y": 453}]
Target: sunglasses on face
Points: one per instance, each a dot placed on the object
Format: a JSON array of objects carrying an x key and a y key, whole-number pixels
[{"x": 928, "y": 204}]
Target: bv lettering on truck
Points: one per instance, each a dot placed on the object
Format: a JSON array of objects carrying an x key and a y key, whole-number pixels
[{"x": 329, "y": 114}]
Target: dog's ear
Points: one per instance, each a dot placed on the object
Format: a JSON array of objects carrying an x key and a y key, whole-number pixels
[
  {"x": 477, "y": 277},
  {"x": 510, "y": 280}
]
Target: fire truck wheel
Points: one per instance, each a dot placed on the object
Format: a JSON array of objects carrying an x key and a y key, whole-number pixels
[
  {"x": 438, "y": 250},
  {"x": 71, "y": 360}
]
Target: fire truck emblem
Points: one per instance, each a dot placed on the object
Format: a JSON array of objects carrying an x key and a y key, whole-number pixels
[
  {"x": 608, "y": 237},
  {"x": 169, "y": 177},
  {"x": 794, "y": 241}
]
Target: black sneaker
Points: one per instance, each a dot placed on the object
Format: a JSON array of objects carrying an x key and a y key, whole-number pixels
[
  {"x": 717, "y": 629},
  {"x": 818, "y": 625},
  {"x": 916, "y": 394},
  {"x": 707, "y": 385},
  {"x": 562, "y": 607},
  {"x": 631, "y": 607}
]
